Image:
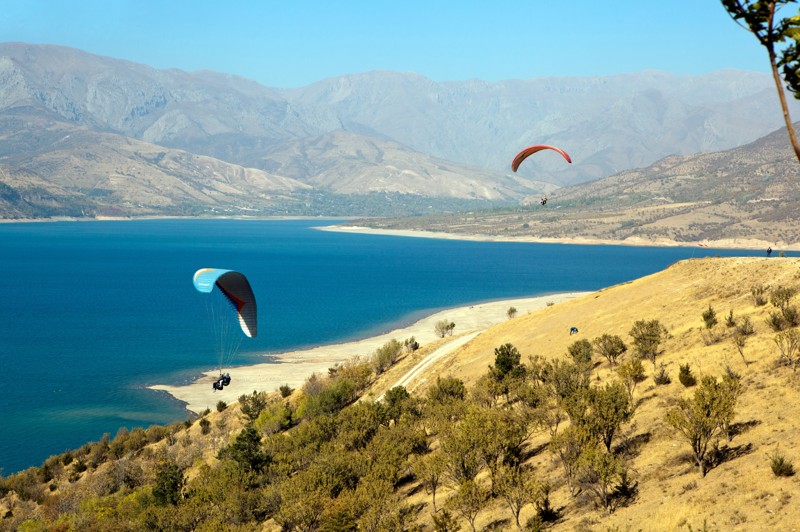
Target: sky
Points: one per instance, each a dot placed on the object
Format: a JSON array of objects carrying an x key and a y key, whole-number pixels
[{"x": 293, "y": 43}]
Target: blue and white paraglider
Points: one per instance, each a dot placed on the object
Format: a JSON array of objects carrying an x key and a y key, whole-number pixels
[{"x": 232, "y": 312}]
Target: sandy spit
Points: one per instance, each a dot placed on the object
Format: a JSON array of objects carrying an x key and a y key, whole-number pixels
[
  {"x": 294, "y": 367},
  {"x": 730, "y": 243}
]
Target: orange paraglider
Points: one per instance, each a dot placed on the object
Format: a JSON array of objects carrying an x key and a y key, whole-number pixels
[{"x": 524, "y": 154}]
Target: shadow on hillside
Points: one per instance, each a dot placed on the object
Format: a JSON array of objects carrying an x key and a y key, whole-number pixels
[
  {"x": 534, "y": 451},
  {"x": 632, "y": 447},
  {"x": 740, "y": 428},
  {"x": 726, "y": 453}
]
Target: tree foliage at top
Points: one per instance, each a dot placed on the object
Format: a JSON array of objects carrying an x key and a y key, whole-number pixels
[{"x": 779, "y": 36}]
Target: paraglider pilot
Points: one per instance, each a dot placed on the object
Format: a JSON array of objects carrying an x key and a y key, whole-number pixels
[{"x": 222, "y": 381}]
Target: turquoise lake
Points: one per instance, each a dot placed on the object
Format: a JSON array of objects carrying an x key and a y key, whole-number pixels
[{"x": 94, "y": 312}]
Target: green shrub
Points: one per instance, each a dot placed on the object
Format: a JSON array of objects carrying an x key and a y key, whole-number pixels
[
  {"x": 758, "y": 291},
  {"x": 775, "y": 321},
  {"x": 781, "y": 296},
  {"x": 286, "y": 390},
  {"x": 662, "y": 377},
  {"x": 710, "y": 317},
  {"x": 221, "y": 406},
  {"x": 205, "y": 426},
  {"x": 580, "y": 351},
  {"x": 411, "y": 344},
  {"x": 781, "y": 466},
  {"x": 686, "y": 377},
  {"x": 745, "y": 328},
  {"x": 730, "y": 321},
  {"x": 791, "y": 316}
]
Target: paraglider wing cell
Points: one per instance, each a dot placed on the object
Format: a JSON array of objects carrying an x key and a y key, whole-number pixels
[{"x": 527, "y": 152}]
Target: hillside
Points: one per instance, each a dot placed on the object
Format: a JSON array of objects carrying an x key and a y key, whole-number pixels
[
  {"x": 746, "y": 196},
  {"x": 363, "y": 463}
]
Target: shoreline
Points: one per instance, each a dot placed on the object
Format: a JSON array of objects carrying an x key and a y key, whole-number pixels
[
  {"x": 294, "y": 367},
  {"x": 634, "y": 241},
  {"x": 729, "y": 243}
]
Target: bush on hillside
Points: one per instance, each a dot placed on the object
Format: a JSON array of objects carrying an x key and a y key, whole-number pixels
[
  {"x": 780, "y": 465},
  {"x": 661, "y": 377},
  {"x": 686, "y": 377},
  {"x": 710, "y": 317}
]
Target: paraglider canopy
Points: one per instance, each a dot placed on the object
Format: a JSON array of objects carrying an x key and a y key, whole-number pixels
[
  {"x": 236, "y": 289},
  {"x": 530, "y": 150}
]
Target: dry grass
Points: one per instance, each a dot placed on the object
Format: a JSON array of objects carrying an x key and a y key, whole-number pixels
[{"x": 739, "y": 494}]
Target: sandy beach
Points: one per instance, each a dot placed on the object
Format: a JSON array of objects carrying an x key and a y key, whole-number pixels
[
  {"x": 294, "y": 367},
  {"x": 730, "y": 243}
]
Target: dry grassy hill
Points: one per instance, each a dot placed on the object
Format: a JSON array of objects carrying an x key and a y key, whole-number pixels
[{"x": 741, "y": 493}]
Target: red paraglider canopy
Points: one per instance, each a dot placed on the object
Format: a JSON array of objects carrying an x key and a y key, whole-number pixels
[{"x": 524, "y": 154}]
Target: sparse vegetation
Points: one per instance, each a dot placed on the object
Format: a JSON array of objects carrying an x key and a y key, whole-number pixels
[
  {"x": 686, "y": 376},
  {"x": 780, "y": 465},
  {"x": 710, "y": 317},
  {"x": 759, "y": 293},
  {"x": 647, "y": 339},
  {"x": 444, "y": 328},
  {"x": 661, "y": 377},
  {"x": 610, "y": 347}
]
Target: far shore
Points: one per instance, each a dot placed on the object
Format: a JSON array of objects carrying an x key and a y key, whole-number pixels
[
  {"x": 294, "y": 367},
  {"x": 728, "y": 243}
]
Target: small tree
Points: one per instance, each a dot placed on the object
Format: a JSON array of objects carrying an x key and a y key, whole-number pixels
[
  {"x": 759, "y": 18},
  {"x": 253, "y": 404},
  {"x": 686, "y": 376},
  {"x": 758, "y": 291},
  {"x": 429, "y": 470},
  {"x": 511, "y": 312},
  {"x": 246, "y": 451},
  {"x": 699, "y": 420},
  {"x": 386, "y": 356},
  {"x": 468, "y": 501},
  {"x": 631, "y": 373},
  {"x": 730, "y": 321},
  {"x": 647, "y": 338},
  {"x": 788, "y": 343},
  {"x": 444, "y": 328},
  {"x": 661, "y": 377},
  {"x": 580, "y": 351},
  {"x": 601, "y": 472},
  {"x": 518, "y": 487},
  {"x": 568, "y": 446},
  {"x": 739, "y": 340},
  {"x": 781, "y": 296},
  {"x": 169, "y": 483},
  {"x": 609, "y": 407},
  {"x": 610, "y": 347},
  {"x": 710, "y": 317}
]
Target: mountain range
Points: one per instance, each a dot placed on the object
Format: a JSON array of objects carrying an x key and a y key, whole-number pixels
[{"x": 84, "y": 135}]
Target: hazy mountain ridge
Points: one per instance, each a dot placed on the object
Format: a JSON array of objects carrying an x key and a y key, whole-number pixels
[{"x": 375, "y": 133}]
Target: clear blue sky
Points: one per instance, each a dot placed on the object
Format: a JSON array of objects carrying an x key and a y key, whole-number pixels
[{"x": 291, "y": 43}]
